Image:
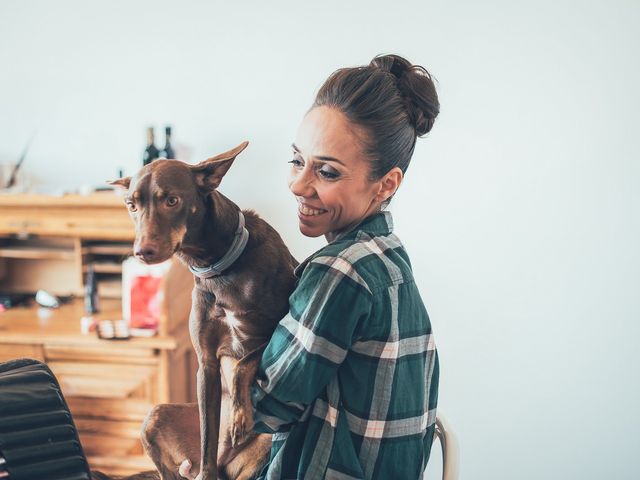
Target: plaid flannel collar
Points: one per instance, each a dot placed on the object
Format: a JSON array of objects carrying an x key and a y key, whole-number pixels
[{"x": 380, "y": 223}]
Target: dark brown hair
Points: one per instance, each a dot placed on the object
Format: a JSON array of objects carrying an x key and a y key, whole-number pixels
[{"x": 392, "y": 100}]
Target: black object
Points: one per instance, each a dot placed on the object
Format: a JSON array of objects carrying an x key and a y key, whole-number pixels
[
  {"x": 167, "y": 151},
  {"x": 11, "y": 300},
  {"x": 91, "y": 292},
  {"x": 14, "y": 174},
  {"x": 151, "y": 152},
  {"x": 38, "y": 439}
]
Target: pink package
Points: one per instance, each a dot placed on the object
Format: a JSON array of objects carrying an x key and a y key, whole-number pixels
[
  {"x": 143, "y": 293},
  {"x": 145, "y": 302}
]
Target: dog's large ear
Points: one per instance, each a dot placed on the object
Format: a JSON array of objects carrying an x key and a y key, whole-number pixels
[
  {"x": 121, "y": 182},
  {"x": 209, "y": 173}
]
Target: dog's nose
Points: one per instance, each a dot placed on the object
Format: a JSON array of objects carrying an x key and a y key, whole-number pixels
[{"x": 145, "y": 252}]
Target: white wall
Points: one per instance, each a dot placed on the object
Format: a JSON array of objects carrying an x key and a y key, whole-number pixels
[{"x": 520, "y": 210}]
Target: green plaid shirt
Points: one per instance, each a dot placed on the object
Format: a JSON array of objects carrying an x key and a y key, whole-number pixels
[{"x": 349, "y": 381}]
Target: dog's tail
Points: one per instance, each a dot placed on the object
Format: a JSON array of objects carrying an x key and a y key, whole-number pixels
[{"x": 148, "y": 475}]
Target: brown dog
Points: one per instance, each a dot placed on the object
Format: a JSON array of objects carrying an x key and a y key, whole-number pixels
[{"x": 243, "y": 279}]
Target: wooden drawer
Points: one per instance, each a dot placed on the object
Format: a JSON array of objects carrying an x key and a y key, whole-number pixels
[
  {"x": 109, "y": 437},
  {"x": 107, "y": 380},
  {"x": 96, "y": 222},
  {"x": 113, "y": 446},
  {"x": 110, "y": 353},
  {"x": 109, "y": 409},
  {"x": 10, "y": 351},
  {"x": 129, "y": 465}
]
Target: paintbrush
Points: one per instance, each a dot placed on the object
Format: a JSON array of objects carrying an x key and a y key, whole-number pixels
[{"x": 14, "y": 173}]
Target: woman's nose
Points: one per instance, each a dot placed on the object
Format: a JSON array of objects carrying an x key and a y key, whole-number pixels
[{"x": 301, "y": 184}]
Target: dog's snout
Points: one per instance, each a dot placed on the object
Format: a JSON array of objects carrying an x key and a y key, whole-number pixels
[{"x": 146, "y": 252}]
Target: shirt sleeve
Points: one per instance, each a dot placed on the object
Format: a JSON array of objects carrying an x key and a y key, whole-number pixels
[{"x": 309, "y": 344}]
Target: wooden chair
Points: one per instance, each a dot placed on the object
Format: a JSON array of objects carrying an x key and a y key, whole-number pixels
[{"x": 449, "y": 447}]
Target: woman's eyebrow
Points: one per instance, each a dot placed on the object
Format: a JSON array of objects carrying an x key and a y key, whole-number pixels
[
  {"x": 323, "y": 158},
  {"x": 329, "y": 159}
]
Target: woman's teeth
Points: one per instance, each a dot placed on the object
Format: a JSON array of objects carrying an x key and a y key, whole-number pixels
[{"x": 310, "y": 211}]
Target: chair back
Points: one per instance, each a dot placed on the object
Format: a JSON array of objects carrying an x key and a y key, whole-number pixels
[{"x": 449, "y": 446}]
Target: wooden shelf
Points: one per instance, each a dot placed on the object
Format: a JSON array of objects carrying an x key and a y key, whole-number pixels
[
  {"x": 97, "y": 199},
  {"x": 125, "y": 465},
  {"x": 96, "y": 217},
  {"x": 123, "y": 250},
  {"x": 61, "y": 327},
  {"x": 103, "y": 267},
  {"x": 110, "y": 288},
  {"x": 37, "y": 253}
]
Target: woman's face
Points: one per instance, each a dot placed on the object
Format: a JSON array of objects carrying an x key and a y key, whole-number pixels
[{"x": 330, "y": 175}]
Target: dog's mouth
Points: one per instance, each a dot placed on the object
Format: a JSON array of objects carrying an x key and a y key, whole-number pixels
[
  {"x": 164, "y": 255},
  {"x": 152, "y": 256},
  {"x": 155, "y": 246}
]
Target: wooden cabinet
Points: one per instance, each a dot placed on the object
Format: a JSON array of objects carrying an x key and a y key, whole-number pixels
[
  {"x": 101, "y": 216},
  {"x": 110, "y": 385}
]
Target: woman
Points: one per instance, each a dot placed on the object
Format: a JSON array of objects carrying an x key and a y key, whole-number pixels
[{"x": 349, "y": 380}]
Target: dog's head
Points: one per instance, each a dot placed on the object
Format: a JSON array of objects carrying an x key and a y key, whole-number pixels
[{"x": 167, "y": 196}]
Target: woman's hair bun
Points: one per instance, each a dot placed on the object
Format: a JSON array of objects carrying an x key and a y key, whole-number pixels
[{"x": 416, "y": 88}]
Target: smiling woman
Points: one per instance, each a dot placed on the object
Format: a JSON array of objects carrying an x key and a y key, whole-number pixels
[
  {"x": 330, "y": 175},
  {"x": 355, "y": 144},
  {"x": 348, "y": 383}
]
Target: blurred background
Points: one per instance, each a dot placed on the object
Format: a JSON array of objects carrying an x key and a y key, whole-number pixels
[{"x": 520, "y": 210}]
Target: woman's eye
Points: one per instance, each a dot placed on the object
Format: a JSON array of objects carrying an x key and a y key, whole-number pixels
[
  {"x": 295, "y": 162},
  {"x": 172, "y": 201},
  {"x": 329, "y": 174},
  {"x": 131, "y": 206}
]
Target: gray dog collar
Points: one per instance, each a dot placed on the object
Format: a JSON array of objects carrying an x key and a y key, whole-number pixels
[{"x": 237, "y": 247}]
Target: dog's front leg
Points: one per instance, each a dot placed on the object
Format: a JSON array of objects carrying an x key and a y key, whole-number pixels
[
  {"x": 209, "y": 400},
  {"x": 243, "y": 374},
  {"x": 208, "y": 381}
]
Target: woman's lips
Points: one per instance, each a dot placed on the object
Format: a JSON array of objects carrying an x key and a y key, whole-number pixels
[{"x": 309, "y": 211}]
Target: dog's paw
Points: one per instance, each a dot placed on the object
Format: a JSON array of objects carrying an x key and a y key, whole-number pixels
[
  {"x": 201, "y": 476},
  {"x": 185, "y": 470},
  {"x": 241, "y": 426}
]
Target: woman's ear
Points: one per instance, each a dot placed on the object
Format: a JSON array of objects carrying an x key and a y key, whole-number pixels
[{"x": 389, "y": 183}]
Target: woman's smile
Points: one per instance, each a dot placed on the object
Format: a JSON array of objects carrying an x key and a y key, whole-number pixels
[{"x": 308, "y": 211}]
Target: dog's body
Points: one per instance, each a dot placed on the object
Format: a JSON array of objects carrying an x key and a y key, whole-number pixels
[{"x": 177, "y": 209}]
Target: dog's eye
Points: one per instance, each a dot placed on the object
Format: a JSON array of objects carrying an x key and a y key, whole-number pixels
[
  {"x": 131, "y": 206},
  {"x": 172, "y": 201}
]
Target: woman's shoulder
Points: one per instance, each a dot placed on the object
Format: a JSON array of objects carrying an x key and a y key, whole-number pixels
[{"x": 377, "y": 261}]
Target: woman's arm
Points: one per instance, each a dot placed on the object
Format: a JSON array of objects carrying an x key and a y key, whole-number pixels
[{"x": 310, "y": 343}]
